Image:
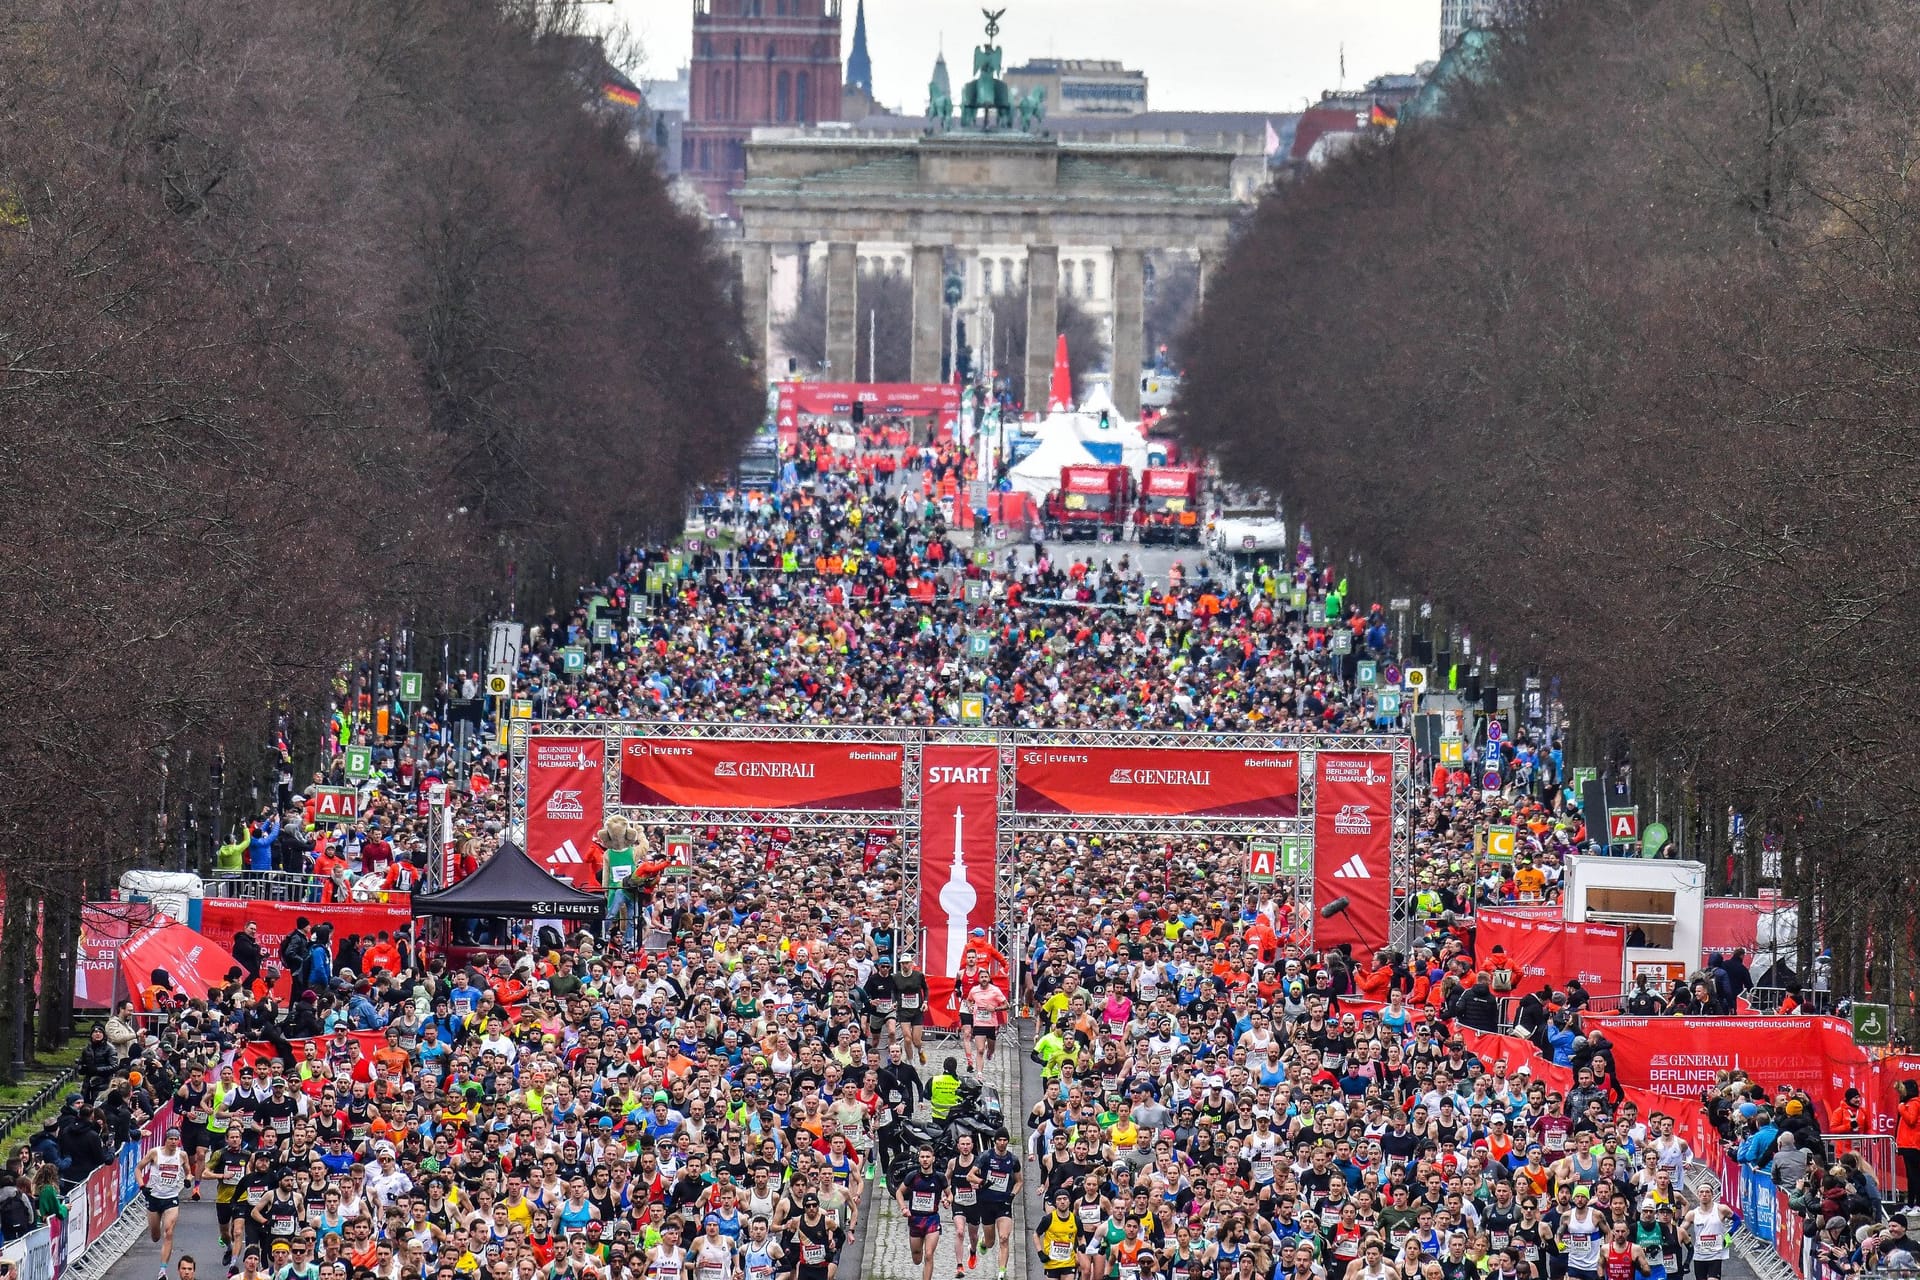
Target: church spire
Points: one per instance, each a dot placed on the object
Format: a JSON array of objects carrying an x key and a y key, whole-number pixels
[{"x": 859, "y": 64}]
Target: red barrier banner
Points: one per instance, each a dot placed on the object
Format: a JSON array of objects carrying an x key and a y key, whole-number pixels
[
  {"x": 1130, "y": 780},
  {"x": 566, "y": 799},
  {"x": 196, "y": 963},
  {"x": 959, "y": 838},
  {"x": 1552, "y": 951},
  {"x": 104, "y": 930},
  {"x": 222, "y": 918},
  {"x": 1683, "y": 1056},
  {"x": 1353, "y": 847},
  {"x": 728, "y": 774},
  {"x": 1520, "y": 1057},
  {"x": 103, "y": 1199}
]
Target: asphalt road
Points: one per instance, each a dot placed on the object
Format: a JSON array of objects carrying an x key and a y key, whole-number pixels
[{"x": 196, "y": 1233}]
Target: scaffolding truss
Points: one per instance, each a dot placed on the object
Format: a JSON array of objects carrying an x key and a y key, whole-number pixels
[{"x": 1012, "y": 824}]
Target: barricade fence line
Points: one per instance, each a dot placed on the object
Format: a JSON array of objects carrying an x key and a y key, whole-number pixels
[{"x": 101, "y": 1222}]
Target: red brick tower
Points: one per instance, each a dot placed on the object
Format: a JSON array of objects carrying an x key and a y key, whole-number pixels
[{"x": 755, "y": 62}]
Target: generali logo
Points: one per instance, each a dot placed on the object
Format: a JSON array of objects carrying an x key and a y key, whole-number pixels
[
  {"x": 561, "y": 755},
  {"x": 763, "y": 769},
  {"x": 1353, "y": 820},
  {"x": 563, "y": 806},
  {"x": 1161, "y": 777}
]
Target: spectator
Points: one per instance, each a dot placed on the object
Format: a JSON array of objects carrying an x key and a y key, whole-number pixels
[{"x": 98, "y": 1061}]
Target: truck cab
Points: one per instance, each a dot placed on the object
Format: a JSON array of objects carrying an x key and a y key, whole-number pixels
[
  {"x": 1169, "y": 506},
  {"x": 1091, "y": 504}
]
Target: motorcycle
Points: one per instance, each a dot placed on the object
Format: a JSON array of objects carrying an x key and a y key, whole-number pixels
[{"x": 978, "y": 1112}]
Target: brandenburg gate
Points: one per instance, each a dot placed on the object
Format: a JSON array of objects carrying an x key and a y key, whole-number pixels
[{"x": 983, "y": 173}]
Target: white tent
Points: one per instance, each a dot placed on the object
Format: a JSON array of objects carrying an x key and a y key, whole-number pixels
[{"x": 1077, "y": 439}]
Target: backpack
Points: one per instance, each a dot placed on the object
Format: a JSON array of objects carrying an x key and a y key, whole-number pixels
[
  {"x": 294, "y": 950},
  {"x": 16, "y": 1215}
]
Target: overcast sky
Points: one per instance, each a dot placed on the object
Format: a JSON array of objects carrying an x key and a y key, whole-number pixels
[{"x": 1199, "y": 55}]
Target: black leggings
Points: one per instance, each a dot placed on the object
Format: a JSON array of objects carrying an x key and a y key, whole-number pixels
[
  {"x": 892, "y": 1145},
  {"x": 1910, "y": 1164}
]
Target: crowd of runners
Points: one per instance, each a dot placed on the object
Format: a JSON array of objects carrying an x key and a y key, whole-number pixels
[{"x": 714, "y": 1082}]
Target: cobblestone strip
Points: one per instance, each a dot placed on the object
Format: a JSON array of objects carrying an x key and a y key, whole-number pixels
[{"x": 887, "y": 1256}]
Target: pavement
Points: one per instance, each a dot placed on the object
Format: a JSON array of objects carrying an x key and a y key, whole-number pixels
[
  {"x": 885, "y": 1254},
  {"x": 196, "y": 1234}
]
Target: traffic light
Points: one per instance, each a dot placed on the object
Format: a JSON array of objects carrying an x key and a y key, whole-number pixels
[
  {"x": 859, "y": 413},
  {"x": 963, "y": 358},
  {"x": 1106, "y": 422}
]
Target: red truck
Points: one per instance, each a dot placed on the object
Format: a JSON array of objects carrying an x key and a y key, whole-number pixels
[
  {"x": 1169, "y": 508},
  {"x": 1091, "y": 503}
]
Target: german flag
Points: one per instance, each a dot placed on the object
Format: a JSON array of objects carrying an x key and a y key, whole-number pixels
[
  {"x": 620, "y": 95},
  {"x": 1382, "y": 118}
]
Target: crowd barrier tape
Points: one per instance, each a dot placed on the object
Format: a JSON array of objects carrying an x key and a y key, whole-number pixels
[{"x": 46, "y": 1252}]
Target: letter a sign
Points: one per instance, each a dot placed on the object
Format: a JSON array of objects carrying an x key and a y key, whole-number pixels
[
  {"x": 1623, "y": 824},
  {"x": 1261, "y": 857}
]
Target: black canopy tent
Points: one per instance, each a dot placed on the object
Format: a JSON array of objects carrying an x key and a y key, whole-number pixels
[{"x": 514, "y": 885}]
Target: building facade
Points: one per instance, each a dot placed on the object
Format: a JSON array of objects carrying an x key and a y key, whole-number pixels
[
  {"x": 1082, "y": 86},
  {"x": 1457, "y": 16},
  {"x": 1015, "y": 210},
  {"x": 755, "y": 62}
]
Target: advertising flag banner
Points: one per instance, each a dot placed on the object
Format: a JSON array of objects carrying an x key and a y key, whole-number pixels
[
  {"x": 959, "y": 838},
  {"x": 1550, "y": 951},
  {"x": 566, "y": 799},
  {"x": 733, "y": 774},
  {"x": 195, "y": 963},
  {"x": 1353, "y": 846},
  {"x": 1160, "y": 782}
]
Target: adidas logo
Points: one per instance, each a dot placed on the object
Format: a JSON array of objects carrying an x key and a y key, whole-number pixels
[
  {"x": 1354, "y": 868},
  {"x": 568, "y": 853}
]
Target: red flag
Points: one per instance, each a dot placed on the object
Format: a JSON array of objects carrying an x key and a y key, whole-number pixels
[{"x": 1060, "y": 394}]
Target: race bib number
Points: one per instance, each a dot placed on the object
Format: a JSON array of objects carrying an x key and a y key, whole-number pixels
[
  {"x": 997, "y": 1181},
  {"x": 961, "y": 1195},
  {"x": 1060, "y": 1251},
  {"x": 814, "y": 1255},
  {"x": 923, "y": 1202}
]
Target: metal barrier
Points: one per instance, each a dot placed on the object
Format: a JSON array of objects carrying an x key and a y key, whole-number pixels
[
  {"x": 274, "y": 886},
  {"x": 1760, "y": 1255},
  {"x": 286, "y": 886},
  {"x": 1875, "y": 1150},
  {"x": 12, "y": 1116}
]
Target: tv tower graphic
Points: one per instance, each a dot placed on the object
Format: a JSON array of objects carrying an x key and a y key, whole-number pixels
[{"x": 957, "y": 898}]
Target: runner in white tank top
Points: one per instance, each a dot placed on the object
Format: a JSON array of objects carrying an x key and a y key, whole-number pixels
[{"x": 162, "y": 1175}]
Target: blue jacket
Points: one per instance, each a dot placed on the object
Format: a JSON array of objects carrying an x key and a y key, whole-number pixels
[
  {"x": 319, "y": 967},
  {"x": 260, "y": 846},
  {"x": 362, "y": 1015},
  {"x": 1759, "y": 1146},
  {"x": 1560, "y": 1041}
]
